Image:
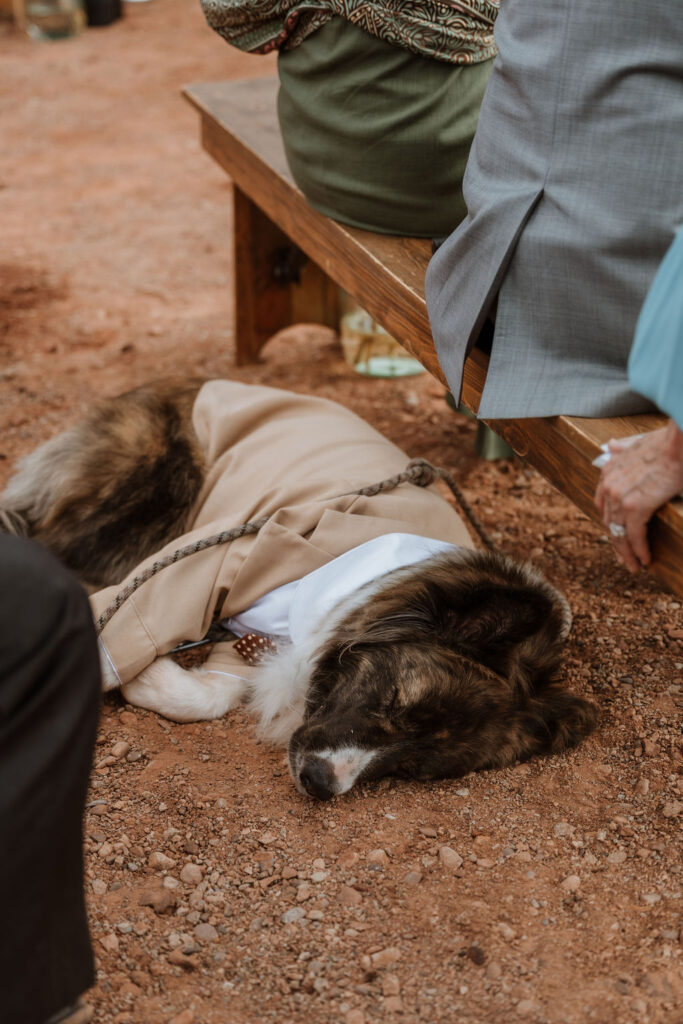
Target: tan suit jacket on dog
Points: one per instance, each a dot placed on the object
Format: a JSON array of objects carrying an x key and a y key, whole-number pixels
[{"x": 268, "y": 451}]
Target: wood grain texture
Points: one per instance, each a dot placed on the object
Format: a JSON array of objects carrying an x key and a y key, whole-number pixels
[
  {"x": 263, "y": 303},
  {"x": 386, "y": 276}
]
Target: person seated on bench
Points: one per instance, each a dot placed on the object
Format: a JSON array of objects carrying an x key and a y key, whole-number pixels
[
  {"x": 378, "y": 101},
  {"x": 645, "y": 472},
  {"x": 573, "y": 191}
]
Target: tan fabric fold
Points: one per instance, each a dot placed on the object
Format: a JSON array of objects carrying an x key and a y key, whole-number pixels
[{"x": 269, "y": 452}]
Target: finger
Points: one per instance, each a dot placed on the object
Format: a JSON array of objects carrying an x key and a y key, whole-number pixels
[
  {"x": 636, "y": 518},
  {"x": 637, "y": 538},
  {"x": 625, "y": 553}
]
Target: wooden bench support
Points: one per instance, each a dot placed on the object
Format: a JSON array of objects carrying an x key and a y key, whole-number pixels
[
  {"x": 289, "y": 259},
  {"x": 275, "y": 283}
]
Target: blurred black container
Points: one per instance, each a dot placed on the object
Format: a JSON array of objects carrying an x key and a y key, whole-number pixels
[{"x": 102, "y": 12}]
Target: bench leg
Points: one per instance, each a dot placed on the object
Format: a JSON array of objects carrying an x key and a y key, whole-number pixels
[{"x": 275, "y": 284}]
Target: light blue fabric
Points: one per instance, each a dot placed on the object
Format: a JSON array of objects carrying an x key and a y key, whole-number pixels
[{"x": 655, "y": 366}]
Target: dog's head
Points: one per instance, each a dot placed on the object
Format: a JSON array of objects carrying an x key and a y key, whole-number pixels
[{"x": 450, "y": 666}]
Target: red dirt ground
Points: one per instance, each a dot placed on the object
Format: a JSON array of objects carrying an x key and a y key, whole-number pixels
[{"x": 114, "y": 268}]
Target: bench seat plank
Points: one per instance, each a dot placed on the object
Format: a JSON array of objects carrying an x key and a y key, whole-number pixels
[{"x": 386, "y": 276}]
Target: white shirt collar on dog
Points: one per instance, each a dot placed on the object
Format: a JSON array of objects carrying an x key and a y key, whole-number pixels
[{"x": 293, "y": 611}]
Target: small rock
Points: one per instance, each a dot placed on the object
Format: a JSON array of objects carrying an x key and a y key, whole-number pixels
[
  {"x": 393, "y": 1004},
  {"x": 476, "y": 955},
  {"x": 618, "y": 857},
  {"x": 484, "y": 862},
  {"x": 571, "y": 883},
  {"x": 185, "y": 1017},
  {"x": 494, "y": 971},
  {"x": 289, "y": 872},
  {"x": 379, "y": 857},
  {"x": 191, "y": 874},
  {"x": 386, "y": 957},
  {"x": 189, "y": 846},
  {"x": 506, "y": 931},
  {"x": 649, "y": 747},
  {"x": 350, "y": 897},
  {"x": 170, "y": 882},
  {"x": 98, "y": 886},
  {"x": 120, "y": 749},
  {"x": 642, "y": 787},
  {"x": 158, "y": 897},
  {"x": 525, "y": 1007},
  {"x": 127, "y": 719},
  {"x": 304, "y": 892},
  {"x": 391, "y": 986},
  {"x": 158, "y": 861},
  {"x": 413, "y": 878},
  {"x": 449, "y": 858},
  {"x": 563, "y": 828},
  {"x": 429, "y": 832},
  {"x": 205, "y": 933},
  {"x": 110, "y": 942},
  {"x": 266, "y": 838},
  {"x": 347, "y": 859},
  {"x": 672, "y": 808},
  {"x": 354, "y": 1017},
  {"x": 293, "y": 914},
  {"x": 184, "y": 960},
  {"x": 134, "y": 756}
]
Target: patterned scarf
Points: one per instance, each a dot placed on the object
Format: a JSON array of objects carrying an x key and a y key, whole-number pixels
[{"x": 456, "y": 31}]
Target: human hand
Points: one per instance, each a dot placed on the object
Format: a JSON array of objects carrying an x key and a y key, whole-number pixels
[{"x": 642, "y": 474}]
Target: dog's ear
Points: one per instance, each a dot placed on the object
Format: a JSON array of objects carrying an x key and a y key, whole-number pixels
[
  {"x": 496, "y": 615},
  {"x": 516, "y": 629}
]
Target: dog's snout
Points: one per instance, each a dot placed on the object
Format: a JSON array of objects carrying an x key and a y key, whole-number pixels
[{"x": 317, "y": 778}]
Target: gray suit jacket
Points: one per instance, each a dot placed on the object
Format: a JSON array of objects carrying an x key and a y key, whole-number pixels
[{"x": 574, "y": 190}]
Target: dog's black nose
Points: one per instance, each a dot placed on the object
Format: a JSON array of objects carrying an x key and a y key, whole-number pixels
[{"x": 317, "y": 778}]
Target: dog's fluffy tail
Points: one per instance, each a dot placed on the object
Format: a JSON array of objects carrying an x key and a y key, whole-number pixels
[
  {"x": 13, "y": 522},
  {"x": 115, "y": 487}
]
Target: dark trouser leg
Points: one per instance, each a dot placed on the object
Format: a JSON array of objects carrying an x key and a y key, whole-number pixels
[{"x": 49, "y": 702}]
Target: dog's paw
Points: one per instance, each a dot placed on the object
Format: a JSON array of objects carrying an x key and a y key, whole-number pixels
[{"x": 183, "y": 696}]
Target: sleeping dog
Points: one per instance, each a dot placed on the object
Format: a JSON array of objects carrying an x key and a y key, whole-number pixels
[{"x": 391, "y": 645}]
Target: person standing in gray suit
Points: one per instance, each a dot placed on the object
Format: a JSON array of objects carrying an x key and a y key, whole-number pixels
[{"x": 574, "y": 191}]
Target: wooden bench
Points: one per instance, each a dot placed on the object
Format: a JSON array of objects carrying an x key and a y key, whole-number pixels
[{"x": 289, "y": 259}]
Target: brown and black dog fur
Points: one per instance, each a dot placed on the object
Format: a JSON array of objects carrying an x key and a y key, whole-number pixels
[{"x": 445, "y": 667}]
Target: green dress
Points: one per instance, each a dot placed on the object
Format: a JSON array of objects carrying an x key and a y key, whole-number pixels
[{"x": 376, "y": 135}]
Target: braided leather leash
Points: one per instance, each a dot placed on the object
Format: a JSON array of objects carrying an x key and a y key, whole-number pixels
[{"x": 419, "y": 472}]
